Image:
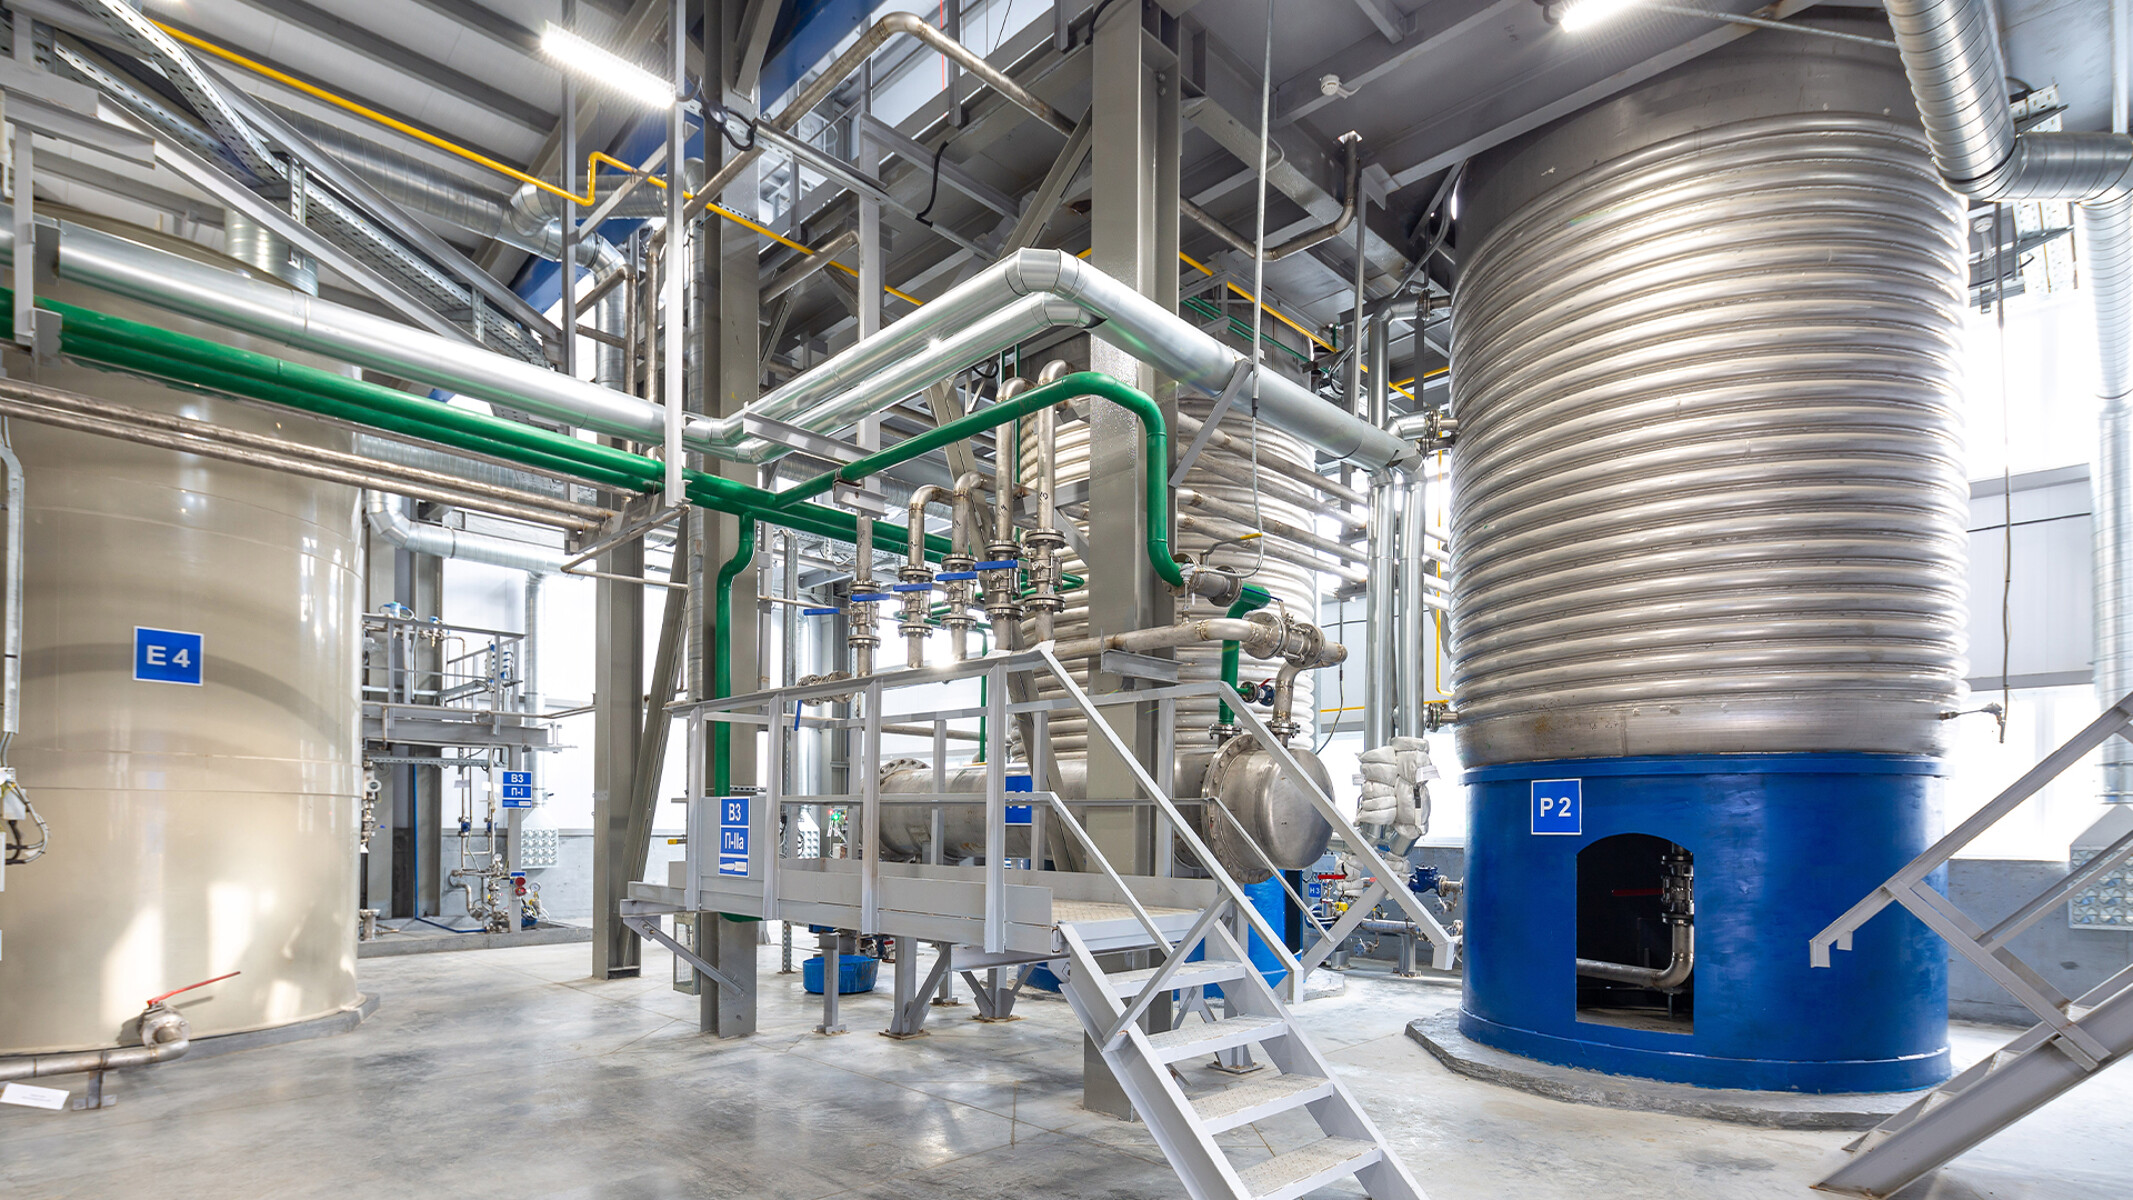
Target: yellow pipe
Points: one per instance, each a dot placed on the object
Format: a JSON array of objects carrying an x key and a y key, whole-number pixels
[{"x": 592, "y": 177}]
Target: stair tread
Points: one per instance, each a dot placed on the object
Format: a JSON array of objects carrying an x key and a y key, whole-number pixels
[
  {"x": 1255, "y": 1093},
  {"x": 1326, "y": 1154},
  {"x": 1192, "y": 974},
  {"x": 1181, "y": 1041}
]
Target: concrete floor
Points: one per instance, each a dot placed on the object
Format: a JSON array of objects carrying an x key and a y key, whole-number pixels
[{"x": 508, "y": 1072}]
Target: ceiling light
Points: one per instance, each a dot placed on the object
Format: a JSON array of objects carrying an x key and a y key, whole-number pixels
[
  {"x": 1580, "y": 15},
  {"x": 605, "y": 67}
]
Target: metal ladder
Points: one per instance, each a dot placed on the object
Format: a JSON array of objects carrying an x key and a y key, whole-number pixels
[
  {"x": 1111, "y": 1005},
  {"x": 2074, "y": 1038}
]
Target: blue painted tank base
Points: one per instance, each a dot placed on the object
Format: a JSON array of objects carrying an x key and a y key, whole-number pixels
[{"x": 1782, "y": 845}]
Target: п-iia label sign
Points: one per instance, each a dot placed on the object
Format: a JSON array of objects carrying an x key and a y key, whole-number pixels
[
  {"x": 166, "y": 656},
  {"x": 1559, "y": 806},
  {"x": 733, "y": 835},
  {"x": 518, "y": 789}
]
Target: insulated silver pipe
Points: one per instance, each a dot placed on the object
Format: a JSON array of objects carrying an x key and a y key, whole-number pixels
[
  {"x": 11, "y": 619},
  {"x": 1380, "y": 656},
  {"x": 262, "y": 249},
  {"x": 1951, "y": 54},
  {"x": 397, "y": 528},
  {"x": 1309, "y": 237},
  {"x": 529, "y": 669},
  {"x": 1413, "y": 649},
  {"x": 2107, "y": 249},
  {"x": 879, "y": 371},
  {"x": 1681, "y": 963},
  {"x": 350, "y": 335},
  {"x": 165, "y": 1036},
  {"x": 1003, "y": 474},
  {"x": 1021, "y": 295}
]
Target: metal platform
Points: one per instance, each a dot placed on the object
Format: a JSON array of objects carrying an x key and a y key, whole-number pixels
[{"x": 943, "y": 904}]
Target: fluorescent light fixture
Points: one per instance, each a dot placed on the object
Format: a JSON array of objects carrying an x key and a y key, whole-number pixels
[
  {"x": 605, "y": 67},
  {"x": 1580, "y": 15}
]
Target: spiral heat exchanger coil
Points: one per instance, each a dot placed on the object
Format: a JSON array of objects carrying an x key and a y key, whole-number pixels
[
  {"x": 1281, "y": 570},
  {"x": 1709, "y": 493}
]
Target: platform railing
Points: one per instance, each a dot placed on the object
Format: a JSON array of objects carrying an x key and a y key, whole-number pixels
[{"x": 781, "y": 712}]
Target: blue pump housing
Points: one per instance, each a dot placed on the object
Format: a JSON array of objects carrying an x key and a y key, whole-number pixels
[{"x": 1782, "y": 844}]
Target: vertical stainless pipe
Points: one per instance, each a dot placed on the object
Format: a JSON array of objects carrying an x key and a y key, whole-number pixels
[
  {"x": 1413, "y": 650},
  {"x": 11, "y": 620},
  {"x": 1378, "y": 630},
  {"x": 2107, "y": 248},
  {"x": 1380, "y": 368},
  {"x": 529, "y": 650}
]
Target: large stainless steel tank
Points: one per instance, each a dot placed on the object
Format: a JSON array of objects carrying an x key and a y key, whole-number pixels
[
  {"x": 1708, "y": 557},
  {"x": 196, "y": 830},
  {"x": 1709, "y": 493}
]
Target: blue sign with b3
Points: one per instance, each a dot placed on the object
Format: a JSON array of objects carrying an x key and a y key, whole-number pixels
[
  {"x": 1559, "y": 806},
  {"x": 518, "y": 789},
  {"x": 733, "y": 835}
]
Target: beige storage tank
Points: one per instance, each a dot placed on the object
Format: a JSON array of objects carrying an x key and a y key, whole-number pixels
[{"x": 195, "y": 830}]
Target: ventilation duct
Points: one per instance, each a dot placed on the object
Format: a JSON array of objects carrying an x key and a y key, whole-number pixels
[{"x": 1951, "y": 51}]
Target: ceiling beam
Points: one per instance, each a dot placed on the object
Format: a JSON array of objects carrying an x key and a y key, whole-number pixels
[
  {"x": 752, "y": 44},
  {"x": 489, "y": 23},
  {"x": 358, "y": 39},
  {"x": 1373, "y": 58},
  {"x": 1390, "y": 21}
]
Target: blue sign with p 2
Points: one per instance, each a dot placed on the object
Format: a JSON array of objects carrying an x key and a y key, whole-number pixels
[
  {"x": 1559, "y": 806},
  {"x": 166, "y": 656},
  {"x": 518, "y": 789},
  {"x": 733, "y": 835}
]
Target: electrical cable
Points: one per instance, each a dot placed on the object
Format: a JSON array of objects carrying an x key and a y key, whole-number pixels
[
  {"x": 924, "y": 216},
  {"x": 1999, "y": 313}
]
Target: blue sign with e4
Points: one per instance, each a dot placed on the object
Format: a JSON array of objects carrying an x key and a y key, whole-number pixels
[
  {"x": 733, "y": 835},
  {"x": 166, "y": 656},
  {"x": 1559, "y": 806}
]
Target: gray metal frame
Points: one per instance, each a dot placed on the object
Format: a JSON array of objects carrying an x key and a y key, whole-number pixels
[{"x": 2073, "y": 1038}]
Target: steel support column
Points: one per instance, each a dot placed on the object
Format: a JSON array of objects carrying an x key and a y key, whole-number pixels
[
  {"x": 618, "y": 727},
  {"x": 727, "y": 315},
  {"x": 1134, "y": 133}
]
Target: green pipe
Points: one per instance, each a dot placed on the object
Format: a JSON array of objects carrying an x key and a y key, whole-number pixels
[
  {"x": 199, "y": 363},
  {"x": 722, "y": 655},
  {"x": 1253, "y": 598},
  {"x": 1155, "y": 439},
  {"x": 941, "y": 435}
]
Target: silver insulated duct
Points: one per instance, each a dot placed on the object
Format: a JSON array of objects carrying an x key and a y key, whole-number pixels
[
  {"x": 1710, "y": 495},
  {"x": 1951, "y": 51}
]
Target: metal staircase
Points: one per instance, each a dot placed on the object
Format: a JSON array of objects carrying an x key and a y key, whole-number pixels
[
  {"x": 1002, "y": 920},
  {"x": 1111, "y": 1005},
  {"x": 2073, "y": 1039}
]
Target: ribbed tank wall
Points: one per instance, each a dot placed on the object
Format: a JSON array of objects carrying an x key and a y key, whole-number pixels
[
  {"x": 196, "y": 830},
  {"x": 1709, "y": 492},
  {"x": 1279, "y": 570}
]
